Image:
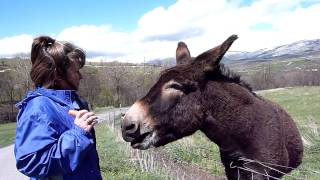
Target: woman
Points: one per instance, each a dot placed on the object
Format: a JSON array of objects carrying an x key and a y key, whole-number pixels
[{"x": 50, "y": 143}]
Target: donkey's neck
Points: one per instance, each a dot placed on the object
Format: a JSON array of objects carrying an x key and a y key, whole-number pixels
[{"x": 225, "y": 106}]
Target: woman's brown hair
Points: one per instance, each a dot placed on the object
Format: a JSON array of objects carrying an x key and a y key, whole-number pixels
[{"x": 50, "y": 60}]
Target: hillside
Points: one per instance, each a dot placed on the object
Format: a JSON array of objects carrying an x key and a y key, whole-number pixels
[{"x": 308, "y": 49}]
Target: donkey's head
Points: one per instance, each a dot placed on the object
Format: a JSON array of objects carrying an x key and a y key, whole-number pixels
[{"x": 172, "y": 108}]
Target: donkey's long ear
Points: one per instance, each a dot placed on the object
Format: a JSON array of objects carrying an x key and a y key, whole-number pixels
[
  {"x": 182, "y": 54},
  {"x": 212, "y": 57}
]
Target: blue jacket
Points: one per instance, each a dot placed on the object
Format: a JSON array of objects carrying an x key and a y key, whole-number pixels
[{"x": 48, "y": 144}]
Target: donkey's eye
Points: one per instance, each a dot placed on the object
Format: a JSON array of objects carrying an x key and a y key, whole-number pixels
[
  {"x": 175, "y": 86},
  {"x": 172, "y": 90}
]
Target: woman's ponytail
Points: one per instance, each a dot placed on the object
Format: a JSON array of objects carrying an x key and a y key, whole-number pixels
[{"x": 43, "y": 64}]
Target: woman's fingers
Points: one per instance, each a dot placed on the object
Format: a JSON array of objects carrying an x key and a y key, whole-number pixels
[
  {"x": 84, "y": 119},
  {"x": 74, "y": 113},
  {"x": 92, "y": 119},
  {"x": 86, "y": 115}
]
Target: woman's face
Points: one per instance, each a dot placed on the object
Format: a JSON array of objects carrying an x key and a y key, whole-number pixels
[{"x": 73, "y": 76}]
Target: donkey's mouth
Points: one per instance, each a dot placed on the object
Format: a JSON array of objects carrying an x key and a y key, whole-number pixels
[{"x": 143, "y": 141}]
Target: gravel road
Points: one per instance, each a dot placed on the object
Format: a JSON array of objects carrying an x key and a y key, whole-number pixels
[{"x": 8, "y": 169}]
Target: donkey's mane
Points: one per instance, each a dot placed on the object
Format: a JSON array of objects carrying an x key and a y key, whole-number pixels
[{"x": 228, "y": 75}]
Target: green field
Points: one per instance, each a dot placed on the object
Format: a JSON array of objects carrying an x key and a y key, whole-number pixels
[
  {"x": 302, "y": 103},
  {"x": 7, "y": 134}
]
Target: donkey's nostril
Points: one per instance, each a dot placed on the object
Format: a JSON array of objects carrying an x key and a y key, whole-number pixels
[
  {"x": 130, "y": 127},
  {"x": 130, "y": 131}
]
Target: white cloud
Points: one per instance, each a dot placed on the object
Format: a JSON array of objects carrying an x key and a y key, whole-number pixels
[
  {"x": 202, "y": 24},
  {"x": 95, "y": 38},
  {"x": 11, "y": 46}
]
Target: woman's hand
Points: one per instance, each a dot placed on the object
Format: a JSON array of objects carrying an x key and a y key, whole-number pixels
[{"x": 85, "y": 120}]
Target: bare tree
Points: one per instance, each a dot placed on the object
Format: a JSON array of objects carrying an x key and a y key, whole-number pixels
[
  {"x": 23, "y": 72},
  {"x": 118, "y": 76},
  {"x": 8, "y": 94},
  {"x": 90, "y": 85}
]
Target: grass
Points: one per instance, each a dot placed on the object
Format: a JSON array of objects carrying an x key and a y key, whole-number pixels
[
  {"x": 7, "y": 134},
  {"x": 197, "y": 150},
  {"x": 302, "y": 103},
  {"x": 115, "y": 157}
]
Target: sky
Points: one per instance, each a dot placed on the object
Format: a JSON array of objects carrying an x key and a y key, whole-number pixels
[{"x": 142, "y": 30}]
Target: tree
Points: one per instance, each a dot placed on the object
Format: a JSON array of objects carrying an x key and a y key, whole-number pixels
[
  {"x": 8, "y": 94},
  {"x": 90, "y": 85},
  {"x": 118, "y": 77}
]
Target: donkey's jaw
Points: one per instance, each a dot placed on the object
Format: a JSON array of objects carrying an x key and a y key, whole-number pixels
[
  {"x": 137, "y": 125},
  {"x": 145, "y": 141}
]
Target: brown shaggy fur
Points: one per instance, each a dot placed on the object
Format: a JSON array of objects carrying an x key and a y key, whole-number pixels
[{"x": 207, "y": 96}]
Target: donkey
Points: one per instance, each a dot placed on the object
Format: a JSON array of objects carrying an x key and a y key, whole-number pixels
[{"x": 257, "y": 139}]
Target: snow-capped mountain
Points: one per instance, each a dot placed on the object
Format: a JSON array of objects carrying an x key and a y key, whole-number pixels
[{"x": 303, "y": 48}]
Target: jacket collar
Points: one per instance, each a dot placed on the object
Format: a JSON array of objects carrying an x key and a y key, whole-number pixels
[
  {"x": 61, "y": 96},
  {"x": 64, "y": 97}
]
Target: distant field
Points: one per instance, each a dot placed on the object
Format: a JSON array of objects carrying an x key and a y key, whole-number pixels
[
  {"x": 276, "y": 65},
  {"x": 302, "y": 103}
]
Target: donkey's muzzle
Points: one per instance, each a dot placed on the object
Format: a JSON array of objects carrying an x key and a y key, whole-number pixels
[{"x": 130, "y": 130}]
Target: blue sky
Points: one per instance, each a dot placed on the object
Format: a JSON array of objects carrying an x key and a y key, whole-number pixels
[
  {"x": 134, "y": 30},
  {"x": 46, "y": 17}
]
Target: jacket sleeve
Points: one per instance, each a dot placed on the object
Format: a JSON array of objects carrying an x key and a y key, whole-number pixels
[{"x": 42, "y": 150}]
